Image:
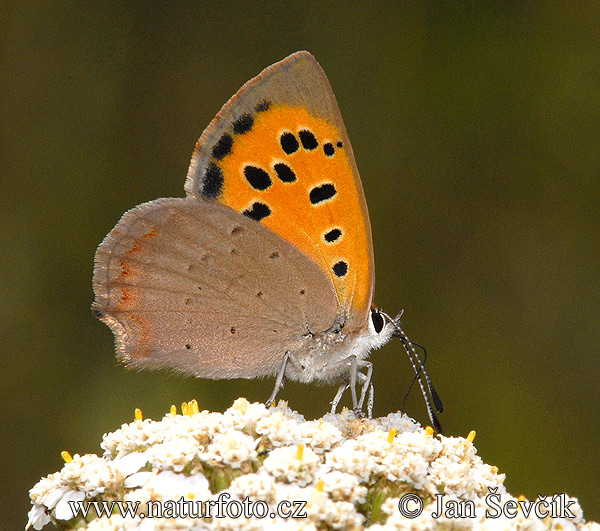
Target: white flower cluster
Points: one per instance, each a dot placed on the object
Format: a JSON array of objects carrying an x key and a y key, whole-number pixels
[{"x": 201, "y": 469}]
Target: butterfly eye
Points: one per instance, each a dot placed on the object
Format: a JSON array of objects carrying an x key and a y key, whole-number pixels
[{"x": 377, "y": 319}]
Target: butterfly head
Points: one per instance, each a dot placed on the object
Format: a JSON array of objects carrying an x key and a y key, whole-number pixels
[{"x": 381, "y": 328}]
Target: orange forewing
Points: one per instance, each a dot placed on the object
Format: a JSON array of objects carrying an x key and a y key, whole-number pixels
[
  {"x": 291, "y": 96},
  {"x": 293, "y": 216}
]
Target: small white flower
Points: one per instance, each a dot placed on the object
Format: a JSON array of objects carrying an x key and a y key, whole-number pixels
[
  {"x": 44, "y": 487},
  {"x": 349, "y": 458},
  {"x": 130, "y": 463},
  {"x": 245, "y": 415},
  {"x": 170, "y": 485},
  {"x": 89, "y": 473},
  {"x": 137, "y": 480},
  {"x": 201, "y": 426},
  {"x": 63, "y": 509},
  {"x": 575, "y": 509},
  {"x": 343, "y": 487},
  {"x": 284, "y": 464},
  {"x": 37, "y": 517},
  {"x": 130, "y": 437},
  {"x": 279, "y": 429},
  {"x": 52, "y": 497},
  {"x": 259, "y": 486},
  {"x": 319, "y": 435},
  {"x": 176, "y": 454},
  {"x": 562, "y": 524},
  {"x": 345, "y": 516},
  {"x": 401, "y": 421},
  {"x": 406, "y": 468},
  {"x": 231, "y": 448}
]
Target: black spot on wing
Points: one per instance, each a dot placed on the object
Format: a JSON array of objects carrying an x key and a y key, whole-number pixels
[
  {"x": 262, "y": 106},
  {"x": 340, "y": 144},
  {"x": 340, "y": 268},
  {"x": 243, "y": 124},
  {"x": 285, "y": 173},
  {"x": 258, "y": 211},
  {"x": 212, "y": 182},
  {"x": 257, "y": 177},
  {"x": 309, "y": 141},
  {"x": 289, "y": 143},
  {"x": 97, "y": 311},
  {"x": 332, "y": 235},
  {"x": 223, "y": 147},
  {"x": 322, "y": 193},
  {"x": 328, "y": 149}
]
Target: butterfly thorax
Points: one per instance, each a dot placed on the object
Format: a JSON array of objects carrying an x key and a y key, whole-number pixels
[{"x": 327, "y": 356}]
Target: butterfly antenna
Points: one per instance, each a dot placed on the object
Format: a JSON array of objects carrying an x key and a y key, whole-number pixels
[
  {"x": 437, "y": 401},
  {"x": 427, "y": 389},
  {"x": 412, "y": 382}
]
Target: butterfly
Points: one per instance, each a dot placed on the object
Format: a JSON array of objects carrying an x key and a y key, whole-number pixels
[{"x": 266, "y": 267}]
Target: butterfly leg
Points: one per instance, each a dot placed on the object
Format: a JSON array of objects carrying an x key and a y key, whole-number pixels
[
  {"x": 279, "y": 380},
  {"x": 355, "y": 366},
  {"x": 366, "y": 382},
  {"x": 350, "y": 382},
  {"x": 338, "y": 396},
  {"x": 371, "y": 400},
  {"x": 353, "y": 378}
]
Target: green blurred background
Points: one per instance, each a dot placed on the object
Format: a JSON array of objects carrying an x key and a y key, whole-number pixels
[{"x": 476, "y": 127}]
